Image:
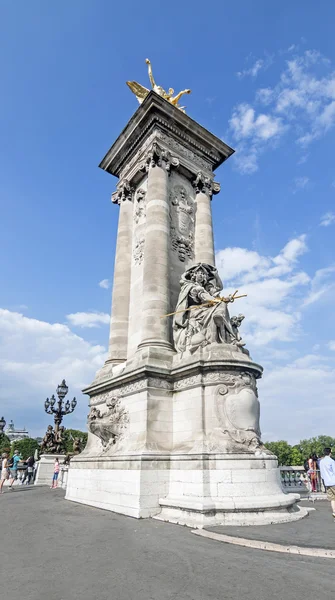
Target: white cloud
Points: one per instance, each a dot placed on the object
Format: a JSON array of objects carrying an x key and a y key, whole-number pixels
[
  {"x": 296, "y": 397},
  {"x": 253, "y": 70},
  {"x": 104, "y": 284},
  {"x": 88, "y": 319},
  {"x": 331, "y": 345},
  {"x": 300, "y": 183},
  {"x": 272, "y": 285},
  {"x": 322, "y": 283},
  {"x": 253, "y": 132},
  {"x": 303, "y": 100},
  {"x": 34, "y": 357},
  {"x": 245, "y": 124},
  {"x": 327, "y": 219}
]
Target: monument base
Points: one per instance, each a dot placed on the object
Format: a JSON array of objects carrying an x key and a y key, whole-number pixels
[
  {"x": 196, "y": 490},
  {"x": 45, "y": 468}
]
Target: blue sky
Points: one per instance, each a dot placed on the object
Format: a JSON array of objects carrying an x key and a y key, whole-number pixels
[{"x": 262, "y": 78}]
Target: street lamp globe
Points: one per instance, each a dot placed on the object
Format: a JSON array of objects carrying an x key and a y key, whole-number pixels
[{"x": 62, "y": 390}]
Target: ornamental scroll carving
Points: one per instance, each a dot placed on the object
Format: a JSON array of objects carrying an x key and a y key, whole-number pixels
[
  {"x": 124, "y": 191},
  {"x": 183, "y": 151},
  {"x": 206, "y": 185},
  {"x": 182, "y": 223},
  {"x": 158, "y": 157},
  {"x": 140, "y": 206},
  {"x": 110, "y": 425},
  {"x": 139, "y": 251}
]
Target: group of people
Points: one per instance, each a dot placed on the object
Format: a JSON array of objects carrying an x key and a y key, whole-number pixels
[
  {"x": 322, "y": 470},
  {"x": 9, "y": 469}
]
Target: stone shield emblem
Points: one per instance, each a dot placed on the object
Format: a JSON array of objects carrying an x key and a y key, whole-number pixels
[{"x": 240, "y": 410}]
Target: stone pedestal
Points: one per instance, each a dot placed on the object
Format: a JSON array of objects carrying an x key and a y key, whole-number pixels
[
  {"x": 173, "y": 432},
  {"x": 45, "y": 468}
]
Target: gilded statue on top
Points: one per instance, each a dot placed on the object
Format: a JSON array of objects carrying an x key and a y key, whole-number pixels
[{"x": 141, "y": 92}]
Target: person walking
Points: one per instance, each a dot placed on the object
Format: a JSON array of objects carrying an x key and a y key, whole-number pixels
[
  {"x": 13, "y": 469},
  {"x": 4, "y": 470},
  {"x": 56, "y": 473},
  {"x": 29, "y": 471},
  {"x": 312, "y": 471},
  {"x": 327, "y": 468}
]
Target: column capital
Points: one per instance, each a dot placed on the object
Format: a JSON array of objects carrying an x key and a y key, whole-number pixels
[
  {"x": 157, "y": 156},
  {"x": 205, "y": 184},
  {"x": 124, "y": 191}
]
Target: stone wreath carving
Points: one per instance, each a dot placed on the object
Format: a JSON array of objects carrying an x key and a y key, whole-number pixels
[
  {"x": 108, "y": 426},
  {"x": 238, "y": 409},
  {"x": 182, "y": 223},
  {"x": 139, "y": 251},
  {"x": 140, "y": 208}
]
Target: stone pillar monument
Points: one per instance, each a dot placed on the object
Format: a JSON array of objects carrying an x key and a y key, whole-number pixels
[{"x": 174, "y": 412}]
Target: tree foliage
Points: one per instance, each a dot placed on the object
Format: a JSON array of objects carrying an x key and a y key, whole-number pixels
[
  {"x": 70, "y": 434},
  {"x": 26, "y": 447},
  {"x": 296, "y": 455},
  {"x": 4, "y": 443},
  {"x": 282, "y": 450}
]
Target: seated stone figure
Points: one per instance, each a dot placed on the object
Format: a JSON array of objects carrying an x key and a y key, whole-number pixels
[{"x": 194, "y": 325}]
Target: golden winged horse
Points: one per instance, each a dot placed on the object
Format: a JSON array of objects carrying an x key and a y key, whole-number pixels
[{"x": 141, "y": 92}]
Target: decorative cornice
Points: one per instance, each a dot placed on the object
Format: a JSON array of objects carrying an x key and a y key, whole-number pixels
[{"x": 155, "y": 113}]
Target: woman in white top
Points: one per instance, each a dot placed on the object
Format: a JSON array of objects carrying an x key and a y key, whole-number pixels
[{"x": 4, "y": 471}]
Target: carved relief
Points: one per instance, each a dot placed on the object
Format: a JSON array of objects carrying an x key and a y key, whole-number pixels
[
  {"x": 158, "y": 157},
  {"x": 139, "y": 251},
  {"x": 187, "y": 382},
  {"x": 238, "y": 410},
  {"x": 140, "y": 208},
  {"x": 183, "y": 151},
  {"x": 124, "y": 191},
  {"x": 182, "y": 223},
  {"x": 206, "y": 185},
  {"x": 159, "y": 383},
  {"x": 109, "y": 426}
]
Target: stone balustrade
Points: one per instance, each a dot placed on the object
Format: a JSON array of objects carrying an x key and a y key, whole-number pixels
[{"x": 294, "y": 479}]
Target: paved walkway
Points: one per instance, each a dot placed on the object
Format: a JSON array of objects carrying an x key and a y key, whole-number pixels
[
  {"x": 58, "y": 550},
  {"x": 315, "y": 531}
]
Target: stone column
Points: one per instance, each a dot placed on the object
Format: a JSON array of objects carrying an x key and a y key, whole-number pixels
[
  {"x": 203, "y": 237},
  {"x": 118, "y": 339},
  {"x": 156, "y": 288}
]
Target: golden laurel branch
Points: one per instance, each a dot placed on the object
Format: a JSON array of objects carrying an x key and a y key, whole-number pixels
[{"x": 217, "y": 300}]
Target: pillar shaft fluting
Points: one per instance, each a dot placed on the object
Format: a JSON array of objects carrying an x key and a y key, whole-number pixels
[
  {"x": 156, "y": 288},
  {"x": 118, "y": 339},
  {"x": 203, "y": 237}
]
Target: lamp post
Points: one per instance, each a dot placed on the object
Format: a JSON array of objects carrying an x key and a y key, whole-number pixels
[
  {"x": 2, "y": 425},
  {"x": 61, "y": 409}
]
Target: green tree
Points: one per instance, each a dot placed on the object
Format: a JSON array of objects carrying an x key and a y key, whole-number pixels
[
  {"x": 4, "y": 443},
  {"x": 70, "y": 434},
  {"x": 25, "y": 447},
  {"x": 297, "y": 458},
  {"x": 315, "y": 445},
  {"x": 282, "y": 450}
]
